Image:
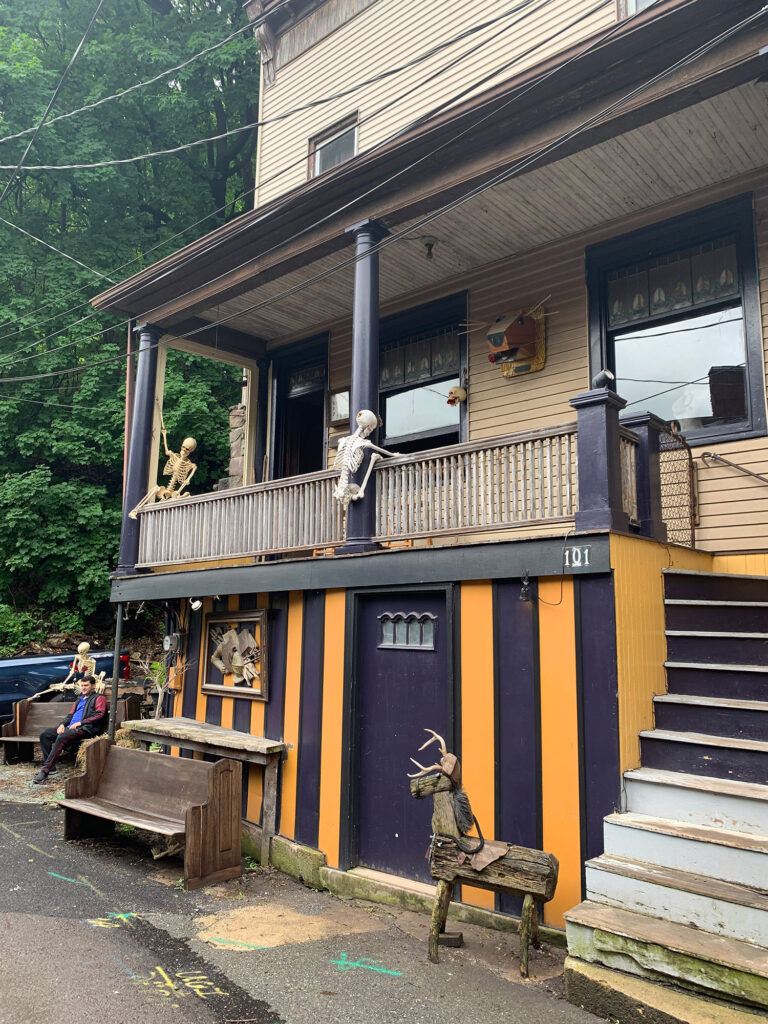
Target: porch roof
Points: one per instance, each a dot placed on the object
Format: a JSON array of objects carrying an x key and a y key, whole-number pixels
[{"x": 703, "y": 124}]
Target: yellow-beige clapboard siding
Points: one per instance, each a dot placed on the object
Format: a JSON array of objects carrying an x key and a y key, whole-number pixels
[
  {"x": 391, "y": 33},
  {"x": 641, "y": 648},
  {"x": 754, "y": 564}
]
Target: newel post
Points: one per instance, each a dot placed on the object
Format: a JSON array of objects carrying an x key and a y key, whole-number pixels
[
  {"x": 648, "y": 428},
  {"x": 137, "y": 475},
  {"x": 361, "y": 515},
  {"x": 599, "y": 459}
]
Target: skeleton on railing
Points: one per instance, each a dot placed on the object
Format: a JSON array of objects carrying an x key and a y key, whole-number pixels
[{"x": 349, "y": 458}]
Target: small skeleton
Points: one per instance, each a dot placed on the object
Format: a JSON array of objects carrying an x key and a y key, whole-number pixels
[
  {"x": 349, "y": 458},
  {"x": 82, "y": 665},
  {"x": 178, "y": 467}
]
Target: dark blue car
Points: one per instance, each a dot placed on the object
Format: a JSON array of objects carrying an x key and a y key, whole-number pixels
[{"x": 23, "y": 677}]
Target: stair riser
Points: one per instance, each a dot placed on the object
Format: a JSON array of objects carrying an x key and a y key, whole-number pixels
[
  {"x": 701, "y": 759},
  {"x": 715, "y": 588},
  {"x": 697, "y": 807},
  {"x": 669, "y": 851},
  {"x": 711, "y": 683},
  {"x": 716, "y": 617},
  {"x": 712, "y": 915},
  {"x": 648, "y": 960},
  {"x": 713, "y": 721},
  {"x": 717, "y": 650}
]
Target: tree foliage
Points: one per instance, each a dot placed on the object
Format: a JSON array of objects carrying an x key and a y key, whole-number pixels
[{"x": 61, "y": 437}]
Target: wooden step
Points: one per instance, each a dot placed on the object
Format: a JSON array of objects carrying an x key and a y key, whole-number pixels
[
  {"x": 706, "y": 850},
  {"x": 717, "y": 648},
  {"x": 711, "y": 904},
  {"x": 743, "y": 682},
  {"x": 694, "y": 585},
  {"x": 708, "y": 616},
  {"x": 698, "y": 800},
  {"x": 715, "y": 716},
  {"x": 669, "y": 952},
  {"x": 700, "y": 754}
]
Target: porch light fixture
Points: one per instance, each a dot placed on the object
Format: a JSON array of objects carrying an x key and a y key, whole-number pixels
[
  {"x": 195, "y": 604},
  {"x": 604, "y": 379}
]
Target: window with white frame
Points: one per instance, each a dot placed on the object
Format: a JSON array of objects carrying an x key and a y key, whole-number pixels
[
  {"x": 674, "y": 314},
  {"x": 333, "y": 146},
  {"x": 629, "y": 7}
]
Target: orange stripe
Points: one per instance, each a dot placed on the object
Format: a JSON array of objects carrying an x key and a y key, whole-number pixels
[
  {"x": 477, "y": 715},
  {"x": 560, "y": 743},
  {"x": 256, "y": 772},
  {"x": 333, "y": 717},
  {"x": 291, "y": 722}
]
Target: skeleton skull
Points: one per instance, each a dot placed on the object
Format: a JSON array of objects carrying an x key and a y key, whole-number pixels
[
  {"x": 83, "y": 648},
  {"x": 367, "y": 422},
  {"x": 188, "y": 445}
]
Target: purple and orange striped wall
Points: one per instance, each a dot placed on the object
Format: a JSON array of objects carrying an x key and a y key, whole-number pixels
[{"x": 536, "y": 709}]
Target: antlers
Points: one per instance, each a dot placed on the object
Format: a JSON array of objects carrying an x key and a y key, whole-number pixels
[{"x": 436, "y": 738}]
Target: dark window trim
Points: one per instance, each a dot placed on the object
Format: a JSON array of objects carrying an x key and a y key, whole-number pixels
[
  {"x": 337, "y": 128},
  {"x": 732, "y": 217},
  {"x": 290, "y": 357}
]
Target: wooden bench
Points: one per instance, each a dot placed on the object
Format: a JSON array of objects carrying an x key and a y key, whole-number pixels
[
  {"x": 194, "y": 802},
  {"x": 190, "y": 734},
  {"x": 19, "y": 736}
]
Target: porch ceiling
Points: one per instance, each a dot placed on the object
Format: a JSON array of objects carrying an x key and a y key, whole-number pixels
[{"x": 711, "y": 142}]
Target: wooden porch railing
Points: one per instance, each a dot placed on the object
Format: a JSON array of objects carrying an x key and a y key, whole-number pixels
[
  {"x": 503, "y": 482},
  {"x": 278, "y": 517},
  {"x": 628, "y": 455}
]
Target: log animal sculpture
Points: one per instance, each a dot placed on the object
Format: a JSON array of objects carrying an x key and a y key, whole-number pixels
[{"x": 456, "y": 857}]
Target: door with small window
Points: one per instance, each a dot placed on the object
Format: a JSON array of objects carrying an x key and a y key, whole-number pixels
[{"x": 403, "y": 686}]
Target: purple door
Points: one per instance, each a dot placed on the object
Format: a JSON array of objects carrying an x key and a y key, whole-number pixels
[{"x": 403, "y": 686}]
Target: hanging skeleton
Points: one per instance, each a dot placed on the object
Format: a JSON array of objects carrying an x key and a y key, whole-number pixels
[
  {"x": 350, "y": 455},
  {"x": 236, "y": 654},
  {"x": 178, "y": 467}
]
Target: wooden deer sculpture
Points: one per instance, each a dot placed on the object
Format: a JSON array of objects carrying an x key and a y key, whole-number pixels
[{"x": 456, "y": 857}]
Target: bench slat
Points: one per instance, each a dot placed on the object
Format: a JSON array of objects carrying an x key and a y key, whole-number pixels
[
  {"x": 127, "y": 816},
  {"x": 160, "y": 785}
]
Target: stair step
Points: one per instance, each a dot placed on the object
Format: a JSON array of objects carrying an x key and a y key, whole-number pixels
[
  {"x": 719, "y": 648},
  {"x": 665, "y": 951},
  {"x": 706, "y": 850},
  {"x": 680, "y": 583},
  {"x": 711, "y": 904},
  {"x": 710, "y": 616},
  {"x": 698, "y": 800},
  {"x": 714, "y": 716},
  {"x": 700, "y": 754},
  {"x": 745, "y": 682}
]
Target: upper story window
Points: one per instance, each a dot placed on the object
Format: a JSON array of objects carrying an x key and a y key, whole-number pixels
[
  {"x": 674, "y": 314},
  {"x": 333, "y": 146},
  {"x": 628, "y": 7}
]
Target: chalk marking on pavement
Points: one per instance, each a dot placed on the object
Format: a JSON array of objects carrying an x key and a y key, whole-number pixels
[
  {"x": 38, "y": 850},
  {"x": 7, "y": 829},
  {"x": 161, "y": 981},
  {"x": 235, "y": 942},
  {"x": 367, "y": 965},
  {"x": 81, "y": 880},
  {"x": 32, "y": 846},
  {"x": 111, "y": 921}
]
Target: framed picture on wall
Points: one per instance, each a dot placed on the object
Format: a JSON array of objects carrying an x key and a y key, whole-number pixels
[{"x": 236, "y": 655}]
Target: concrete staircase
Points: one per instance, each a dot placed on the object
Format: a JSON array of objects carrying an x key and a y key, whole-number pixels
[{"x": 680, "y": 895}]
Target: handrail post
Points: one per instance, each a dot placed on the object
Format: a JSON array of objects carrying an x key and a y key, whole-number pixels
[
  {"x": 649, "y": 510},
  {"x": 599, "y": 458}
]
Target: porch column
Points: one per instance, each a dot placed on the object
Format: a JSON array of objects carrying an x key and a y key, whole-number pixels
[
  {"x": 262, "y": 401},
  {"x": 361, "y": 516},
  {"x": 599, "y": 456},
  {"x": 648, "y": 427},
  {"x": 137, "y": 475}
]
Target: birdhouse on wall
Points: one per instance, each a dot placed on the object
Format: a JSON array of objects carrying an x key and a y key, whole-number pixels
[{"x": 518, "y": 342}]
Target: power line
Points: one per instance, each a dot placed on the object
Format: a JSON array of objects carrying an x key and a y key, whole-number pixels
[
  {"x": 302, "y": 160},
  {"x": 509, "y": 172},
  {"x": 151, "y": 81},
  {"x": 419, "y": 59},
  {"x": 59, "y": 251},
  {"x": 56, "y": 92}
]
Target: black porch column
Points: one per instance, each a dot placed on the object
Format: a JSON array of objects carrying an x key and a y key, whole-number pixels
[
  {"x": 361, "y": 516},
  {"x": 648, "y": 427},
  {"x": 599, "y": 455},
  {"x": 137, "y": 476}
]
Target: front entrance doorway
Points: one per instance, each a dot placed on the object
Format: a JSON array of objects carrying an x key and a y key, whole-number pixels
[
  {"x": 404, "y": 680},
  {"x": 299, "y": 401}
]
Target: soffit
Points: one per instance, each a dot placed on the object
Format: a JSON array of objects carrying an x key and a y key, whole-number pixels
[{"x": 711, "y": 142}]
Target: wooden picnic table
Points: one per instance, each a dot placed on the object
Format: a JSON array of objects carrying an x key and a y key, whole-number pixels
[{"x": 190, "y": 734}]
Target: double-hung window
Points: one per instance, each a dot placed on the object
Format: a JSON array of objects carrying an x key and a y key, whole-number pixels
[
  {"x": 674, "y": 314},
  {"x": 333, "y": 146}
]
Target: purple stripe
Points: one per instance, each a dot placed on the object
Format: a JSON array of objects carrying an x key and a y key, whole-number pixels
[
  {"x": 599, "y": 712},
  {"x": 194, "y": 632},
  {"x": 277, "y": 639},
  {"x": 518, "y": 723},
  {"x": 308, "y": 782}
]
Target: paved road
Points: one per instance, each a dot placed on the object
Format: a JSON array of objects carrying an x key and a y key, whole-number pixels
[{"x": 99, "y": 932}]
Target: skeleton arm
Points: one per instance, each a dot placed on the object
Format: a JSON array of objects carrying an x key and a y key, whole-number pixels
[{"x": 187, "y": 481}]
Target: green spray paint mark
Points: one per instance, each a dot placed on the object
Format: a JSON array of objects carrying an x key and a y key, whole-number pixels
[
  {"x": 234, "y": 942},
  {"x": 75, "y": 881},
  {"x": 367, "y": 965}
]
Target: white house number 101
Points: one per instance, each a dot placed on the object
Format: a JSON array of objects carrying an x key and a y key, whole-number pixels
[{"x": 577, "y": 558}]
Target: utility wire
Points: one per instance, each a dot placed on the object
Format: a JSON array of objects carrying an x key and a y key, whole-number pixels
[
  {"x": 59, "y": 251},
  {"x": 151, "y": 81},
  {"x": 56, "y": 92},
  {"x": 511, "y": 171},
  {"x": 419, "y": 59},
  {"x": 302, "y": 160}
]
